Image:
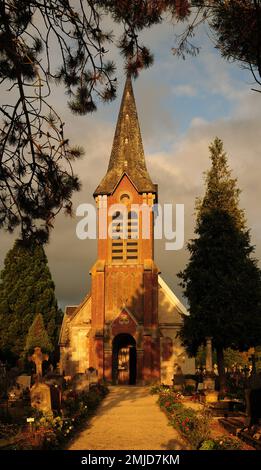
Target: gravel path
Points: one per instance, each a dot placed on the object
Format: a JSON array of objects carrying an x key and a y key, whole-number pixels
[{"x": 127, "y": 419}]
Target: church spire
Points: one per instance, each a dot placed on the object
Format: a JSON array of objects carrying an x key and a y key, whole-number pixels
[{"x": 127, "y": 155}]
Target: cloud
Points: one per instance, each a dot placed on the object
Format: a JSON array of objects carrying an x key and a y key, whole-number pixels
[
  {"x": 184, "y": 90},
  {"x": 175, "y": 159},
  {"x": 179, "y": 174}
]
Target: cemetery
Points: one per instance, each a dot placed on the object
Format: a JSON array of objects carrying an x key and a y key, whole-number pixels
[
  {"x": 130, "y": 279},
  {"x": 131, "y": 330},
  {"x": 43, "y": 412}
]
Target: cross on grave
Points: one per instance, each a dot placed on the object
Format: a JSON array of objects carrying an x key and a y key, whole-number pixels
[{"x": 38, "y": 357}]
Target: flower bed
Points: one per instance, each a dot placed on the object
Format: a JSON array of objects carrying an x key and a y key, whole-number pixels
[
  {"x": 51, "y": 431},
  {"x": 193, "y": 425}
]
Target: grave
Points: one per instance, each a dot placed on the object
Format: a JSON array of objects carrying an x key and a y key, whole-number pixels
[
  {"x": 40, "y": 395},
  {"x": 24, "y": 381},
  {"x": 209, "y": 378},
  {"x": 38, "y": 357},
  {"x": 253, "y": 399},
  {"x": 92, "y": 375},
  {"x": 81, "y": 383},
  {"x": 178, "y": 379}
]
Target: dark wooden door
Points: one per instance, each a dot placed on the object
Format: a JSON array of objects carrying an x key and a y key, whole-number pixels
[{"x": 124, "y": 366}]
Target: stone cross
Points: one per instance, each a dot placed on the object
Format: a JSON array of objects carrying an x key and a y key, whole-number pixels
[{"x": 38, "y": 357}]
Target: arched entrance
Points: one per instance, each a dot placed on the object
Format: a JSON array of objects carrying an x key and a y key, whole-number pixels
[{"x": 124, "y": 360}]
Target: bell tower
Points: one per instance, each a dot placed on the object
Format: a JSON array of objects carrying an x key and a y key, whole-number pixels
[{"x": 124, "y": 291}]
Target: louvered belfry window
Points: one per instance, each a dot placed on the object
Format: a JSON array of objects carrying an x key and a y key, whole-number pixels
[
  {"x": 117, "y": 237},
  {"x": 125, "y": 242}
]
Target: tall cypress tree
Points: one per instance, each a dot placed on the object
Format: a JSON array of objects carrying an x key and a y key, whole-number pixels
[
  {"x": 26, "y": 289},
  {"x": 221, "y": 280},
  {"x": 37, "y": 336}
]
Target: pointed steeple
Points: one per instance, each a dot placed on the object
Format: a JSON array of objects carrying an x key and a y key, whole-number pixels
[{"x": 127, "y": 155}]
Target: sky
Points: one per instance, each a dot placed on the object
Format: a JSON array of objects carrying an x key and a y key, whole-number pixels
[{"x": 182, "y": 106}]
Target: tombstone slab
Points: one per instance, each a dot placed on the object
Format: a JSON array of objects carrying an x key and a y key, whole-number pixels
[
  {"x": 24, "y": 381},
  {"x": 81, "y": 383},
  {"x": 92, "y": 375},
  {"x": 211, "y": 396},
  {"x": 40, "y": 395}
]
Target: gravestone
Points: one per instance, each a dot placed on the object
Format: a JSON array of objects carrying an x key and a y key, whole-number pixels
[
  {"x": 40, "y": 395},
  {"x": 15, "y": 393},
  {"x": 92, "y": 376},
  {"x": 24, "y": 381},
  {"x": 178, "y": 379},
  {"x": 253, "y": 399},
  {"x": 56, "y": 397},
  {"x": 80, "y": 383},
  {"x": 209, "y": 377},
  {"x": 38, "y": 357},
  {"x": 55, "y": 382}
]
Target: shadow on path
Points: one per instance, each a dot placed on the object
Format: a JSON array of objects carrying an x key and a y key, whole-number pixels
[{"x": 128, "y": 419}]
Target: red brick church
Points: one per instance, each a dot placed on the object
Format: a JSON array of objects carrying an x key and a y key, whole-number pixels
[{"x": 127, "y": 325}]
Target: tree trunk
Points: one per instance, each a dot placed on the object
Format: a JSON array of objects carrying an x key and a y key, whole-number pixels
[{"x": 221, "y": 371}]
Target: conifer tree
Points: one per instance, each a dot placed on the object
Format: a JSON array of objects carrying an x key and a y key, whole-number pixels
[
  {"x": 26, "y": 288},
  {"x": 221, "y": 281},
  {"x": 37, "y": 336},
  {"x": 36, "y": 174}
]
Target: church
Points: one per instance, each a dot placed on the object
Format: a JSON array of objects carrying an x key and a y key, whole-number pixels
[{"x": 126, "y": 327}]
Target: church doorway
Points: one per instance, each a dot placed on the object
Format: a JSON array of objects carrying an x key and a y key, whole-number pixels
[{"x": 124, "y": 360}]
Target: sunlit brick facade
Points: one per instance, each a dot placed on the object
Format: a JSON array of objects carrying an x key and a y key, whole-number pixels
[{"x": 126, "y": 327}]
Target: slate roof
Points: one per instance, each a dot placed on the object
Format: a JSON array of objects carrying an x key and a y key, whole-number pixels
[{"x": 127, "y": 155}]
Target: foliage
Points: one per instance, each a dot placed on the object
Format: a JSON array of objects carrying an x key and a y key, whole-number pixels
[
  {"x": 155, "y": 389},
  {"x": 8, "y": 430},
  {"x": 192, "y": 425},
  {"x": 26, "y": 289},
  {"x": 236, "y": 385},
  {"x": 189, "y": 389},
  {"x": 239, "y": 40},
  {"x": 221, "y": 191},
  {"x": 38, "y": 336},
  {"x": 168, "y": 398},
  {"x": 222, "y": 443},
  {"x": 222, "y": 285},
  {"x": 76, "y": 408},
  {"x": 36, "y": 176},
  {"x": 233, "y": 357},
  {"x": 51, "y": 431},
  {"x": 236, "y": 40},
  {"x": 221, "y": 280}
]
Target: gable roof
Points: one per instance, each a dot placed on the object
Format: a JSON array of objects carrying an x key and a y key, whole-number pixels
[
  {"x": 70, "y": 312},
  {"x": 173, "y": 299}
]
